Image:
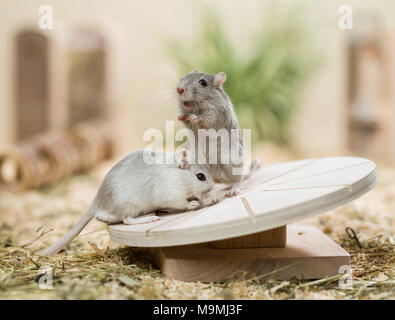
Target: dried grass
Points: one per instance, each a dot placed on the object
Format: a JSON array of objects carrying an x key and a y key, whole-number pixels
[{"x": 93, "y": 267}]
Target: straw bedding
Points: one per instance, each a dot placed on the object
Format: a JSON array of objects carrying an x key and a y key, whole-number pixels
[{"x": 93, "y": 267}]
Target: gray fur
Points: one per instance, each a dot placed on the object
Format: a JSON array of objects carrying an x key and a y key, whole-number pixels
[
  {"x": 133, "y": 188},
  {"x": 214, "y": 110}
]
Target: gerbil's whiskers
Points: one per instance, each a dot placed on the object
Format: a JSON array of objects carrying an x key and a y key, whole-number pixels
[{"x": 167, "y": 96}]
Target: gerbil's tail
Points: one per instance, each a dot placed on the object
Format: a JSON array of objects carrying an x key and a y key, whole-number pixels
[{"x": 69, "y": 236}]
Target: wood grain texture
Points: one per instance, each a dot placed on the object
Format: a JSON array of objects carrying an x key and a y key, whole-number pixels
[
  {"x": 275, "y": 238},
  {"x": 309, "y": 255}
]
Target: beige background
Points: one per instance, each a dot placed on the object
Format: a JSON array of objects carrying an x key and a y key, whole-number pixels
[{"x": 147, "y": 78}]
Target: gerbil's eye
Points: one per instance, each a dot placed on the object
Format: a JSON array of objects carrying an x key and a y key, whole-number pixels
[
  {"x": 201, "y": 177},
  {"x": 203, "y": 82}
]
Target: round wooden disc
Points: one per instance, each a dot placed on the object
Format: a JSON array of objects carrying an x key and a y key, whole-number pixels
[{"x": 275, "y": 195}]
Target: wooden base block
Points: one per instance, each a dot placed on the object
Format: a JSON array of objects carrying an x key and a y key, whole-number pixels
[{"x": 309, "y": 254}]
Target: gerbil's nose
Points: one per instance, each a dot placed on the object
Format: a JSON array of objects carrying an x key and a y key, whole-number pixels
[{"x": 180, "y": 90}]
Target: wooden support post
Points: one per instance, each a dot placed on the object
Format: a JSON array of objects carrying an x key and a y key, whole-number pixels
[{"x": 275, "y": 238}]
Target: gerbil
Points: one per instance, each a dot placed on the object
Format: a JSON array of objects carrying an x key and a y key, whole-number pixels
[
  {"x": 203, "y": 104},
  {"x": 133, "y": 188}
]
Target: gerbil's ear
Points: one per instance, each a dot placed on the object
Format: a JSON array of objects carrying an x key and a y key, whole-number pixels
[
  {"x": 219, "y": 79},
  {"x": 194, "y": 71},
  {"x": 184, "y": 164}
]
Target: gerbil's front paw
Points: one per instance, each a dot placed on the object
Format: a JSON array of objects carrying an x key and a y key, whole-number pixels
[
  {"x": 193, "y": 205},
  {"x": 193, "y": 118},
  {"x": 182, "y": 117}
]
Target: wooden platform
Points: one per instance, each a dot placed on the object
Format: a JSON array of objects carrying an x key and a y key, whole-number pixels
[
  {"x": 248, "y": 233},
  {"x": 309, "y": 254},
  {"x": 276, "y": 195}
]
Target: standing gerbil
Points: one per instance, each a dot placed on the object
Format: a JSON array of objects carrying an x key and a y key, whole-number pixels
[
  {"x": 134, "y": 187},
  {"x": 203, "y": 104}
]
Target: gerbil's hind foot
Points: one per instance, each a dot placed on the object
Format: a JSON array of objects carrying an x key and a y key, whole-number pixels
[
  {"x": 232, "y": 190},
  {"x": 235, "y": 191},
  {"x": 193, "y": 205},
  {"x": 256, "y": 164},
  {"x": 141, "y": 219},
  {"x": 105, "y": 217}
]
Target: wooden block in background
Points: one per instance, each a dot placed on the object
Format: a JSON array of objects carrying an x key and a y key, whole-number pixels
[
  {"x": 32, "y": 83},
  {"x": 88, "y": 75},
  {"x": 275, "y": 238},
  {"x": 309, "y": 254},
  {"x": 63, "y": 78}
]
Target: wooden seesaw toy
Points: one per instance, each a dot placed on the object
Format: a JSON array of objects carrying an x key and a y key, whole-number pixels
[{"x": 248, "y": 234}]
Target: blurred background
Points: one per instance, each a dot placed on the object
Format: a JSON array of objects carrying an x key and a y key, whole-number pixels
[
  {"x": 107, "y": 71},
  {"x": 76, "y": 98}
]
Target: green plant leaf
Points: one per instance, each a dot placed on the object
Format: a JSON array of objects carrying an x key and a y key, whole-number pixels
[{"x": 264, "y": 83}]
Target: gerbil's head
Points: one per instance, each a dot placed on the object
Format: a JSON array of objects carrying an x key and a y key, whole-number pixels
[
  {"x": 198, "y": 179},
  {"x": 196, "y": 89}
]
